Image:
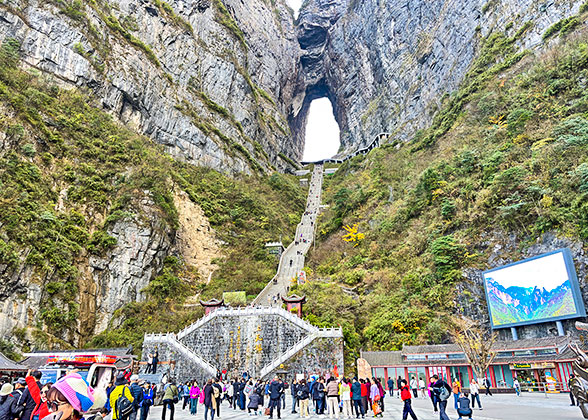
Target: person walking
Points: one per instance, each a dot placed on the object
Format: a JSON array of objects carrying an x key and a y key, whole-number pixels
[
  {"x": 356, "y": 398},
  {"x": 39, "y": 395},
  {"x": 318, "y": 395},
  {"x": 332, "y": 390},
  {"x": 422, "y": 387},
  {"x": 195, "y": 396},
  {"x": 442, "y": 392},
  {"x": 487, "y": 384},
  {"x": 217, "y": 395},
  {"x": 11, "y": 409},
  {"x": 293, "y": 390},
  {"x": 406, "y": 397},
  {"x": 375, "y": 398},
  {"x": 170, "y": 398},
  {"x": 209, "y": 400},
  {"x": 398, "y": 381},
  {"x": 303, "y": 396},
  {"x": 275, "y": 392},
  {"x": 345, "y": 394},
  {"x": 517, "y": 387},
  {"x": 364, "y": 396},
  {"x": 185, "y": 394},
  {"x": 432, "y": 395},
  {"x": 475, "y": 393},
  {"x": 414, "y": 386},
  {"x": 137, "y": 393},
  {"x": 391, "y": 386},
  {"x": 456, "y": 389},
  {"x": 147, "y": 400},
  {"x": 119, "y": 398},
  {"x": 27, "y": 401},
  {"x": 155, "y": 361}
]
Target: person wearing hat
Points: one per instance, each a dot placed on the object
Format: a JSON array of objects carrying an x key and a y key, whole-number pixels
[
  {"x": 121, "y": 390},
  {"x": 12, "y": 409},
  {"x": 5, "y": 392},
  {"x": 69, "y": 398}
]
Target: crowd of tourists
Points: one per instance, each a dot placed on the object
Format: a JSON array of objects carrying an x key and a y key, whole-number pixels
[
  {"x": 129, "y": 398},
  {"x": 69, "y": 398},
  {"x": 317, "y": 396}
]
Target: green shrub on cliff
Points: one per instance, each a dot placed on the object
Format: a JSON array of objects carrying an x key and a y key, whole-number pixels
[{"x": 69, "y": 173}]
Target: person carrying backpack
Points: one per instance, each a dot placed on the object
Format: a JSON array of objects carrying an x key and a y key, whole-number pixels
[
  {"x": 11, "y": 408},
  {"x": 121, "y": 399},
  {"x": 137, "y": 393},
  {"x": 442, "y": 392},
  {"x": 170, "y": 398}
]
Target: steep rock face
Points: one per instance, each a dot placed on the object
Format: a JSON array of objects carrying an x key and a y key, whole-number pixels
[
  {"x": 205, "y": 78},
  {"x": 121, "y": 275},
  {"x": 385, "y": 64}
]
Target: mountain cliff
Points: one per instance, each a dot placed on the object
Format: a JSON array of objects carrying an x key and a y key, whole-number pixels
[{"x": 143, "y": 145}]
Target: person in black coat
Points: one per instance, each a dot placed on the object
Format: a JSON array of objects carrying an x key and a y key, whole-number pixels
[
  {"x": 12, "y": 409},
  {"x": 391, "y": 386},
  {"x": 276, "y": 389},
  {"x": 293, "y": 389},
  {"x": 208, "y": 400},
  {"x": 440, "y": 383}
]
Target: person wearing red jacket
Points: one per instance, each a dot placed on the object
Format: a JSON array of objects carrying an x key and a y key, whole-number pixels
[
  {"x": 364, "y": 395},
  {"x": 39, "y": 396},
  {"x": 407, "y": 398}
]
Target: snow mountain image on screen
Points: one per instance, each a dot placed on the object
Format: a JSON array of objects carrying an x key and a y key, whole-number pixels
[{"x": 520, "y": 304}]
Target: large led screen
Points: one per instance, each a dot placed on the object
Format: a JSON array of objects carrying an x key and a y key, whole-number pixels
[{"x": 539, "y": 289}]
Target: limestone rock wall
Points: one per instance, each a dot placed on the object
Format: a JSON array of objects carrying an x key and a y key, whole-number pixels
[
  {"x": 180, "y": 72},
  {"x": 385, "y": 64}
]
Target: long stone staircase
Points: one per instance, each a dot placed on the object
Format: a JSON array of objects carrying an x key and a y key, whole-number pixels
[{"x": 293, "y": 258}]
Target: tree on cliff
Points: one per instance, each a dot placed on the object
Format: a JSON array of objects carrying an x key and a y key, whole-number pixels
[{"x": 475, "y": 342}]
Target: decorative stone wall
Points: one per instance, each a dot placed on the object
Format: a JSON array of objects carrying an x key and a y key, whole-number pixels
[
  {"x": 318, "y": 358},
  {"x": 183, "y": 369},
  {"x": 248, "y": 343},
  {"x": 240, "y": 344}
]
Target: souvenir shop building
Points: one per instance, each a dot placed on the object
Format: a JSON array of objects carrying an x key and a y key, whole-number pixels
[{"x": 534, "y": 362}]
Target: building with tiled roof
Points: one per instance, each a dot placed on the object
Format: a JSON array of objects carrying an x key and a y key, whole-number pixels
[{"x": 534, "y": 362}]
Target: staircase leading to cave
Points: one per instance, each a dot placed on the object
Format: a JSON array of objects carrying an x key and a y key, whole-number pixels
[{"x": 293, "y": 258}]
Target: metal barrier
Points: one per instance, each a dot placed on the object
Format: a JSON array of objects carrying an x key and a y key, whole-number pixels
[{"x": 544, "y": 387}]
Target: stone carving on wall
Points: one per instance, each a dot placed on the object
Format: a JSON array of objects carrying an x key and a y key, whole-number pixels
[{"x": 579, "y": 384}]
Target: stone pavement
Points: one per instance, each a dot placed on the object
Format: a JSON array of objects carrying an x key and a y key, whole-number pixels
[
  {"x": 498, "y": 407},
  {"x": 292, "y": 260}
]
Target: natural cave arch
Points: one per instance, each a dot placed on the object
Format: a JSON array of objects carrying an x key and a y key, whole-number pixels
[{"x": 299, "y": 121}]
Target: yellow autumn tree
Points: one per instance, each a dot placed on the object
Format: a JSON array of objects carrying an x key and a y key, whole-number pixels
[
  {"x": 353, "y": 235},
  {"x": 475, "y": 341}
]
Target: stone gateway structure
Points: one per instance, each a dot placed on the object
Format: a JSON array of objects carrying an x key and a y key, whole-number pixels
[{"x": 259, "y": 341}]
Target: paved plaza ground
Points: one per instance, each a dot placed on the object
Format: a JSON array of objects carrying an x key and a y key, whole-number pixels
[{"x": 497, "y": 407}]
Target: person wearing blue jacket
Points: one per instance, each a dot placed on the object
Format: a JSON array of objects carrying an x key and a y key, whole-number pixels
[
  {"x": 356, "y": 398},
  {"x": 147, "y": 401}
]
